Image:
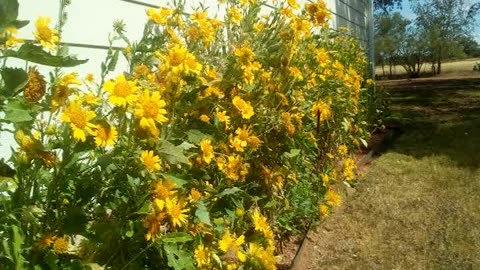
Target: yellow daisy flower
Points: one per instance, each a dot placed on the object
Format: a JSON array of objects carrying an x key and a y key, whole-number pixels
[
  {"x": 204, "y": 118},
  {"x": 343, "y": 150},
  {"x": 164, "y": 189},
  {"x": 179, "y": 60},
  {"x": 64, "y": 87},
  {"x": 323, "y": 109},
  {"x": 151, "y": 162},
  {"x": 153, "y": 222},
  {"x": 122, "y": 91},
  {"x": 244, "y": 107},
  {"x": 260, "y": 222},
  {"x": 150, "y": 109},
  {"x": 35, "y": 87},
  {"x": 79, "y": 119},
  {"x": 223, "y": 118},
  {"x": 333, "y": 198},
  {"x": 61, "y": 244},
  {"x": 235, "y": 15},
  {"x": 159, "y": 16},
  {"x": 230, "y": 244},
  {"x": 47, "y": 36},
  {"x": 90, "y": 78},
  {"x": 176, "y": 211},
  {"x": 194, "y": 195},
  {"x": 105, "y": 135},
  {"x": 207, "y": 150},
  {"x": 324, "y": 210},
  {"x": 10, "y": 35},
  {"x": 46, "y": 241},
  {"x": 202, "y": 256}
]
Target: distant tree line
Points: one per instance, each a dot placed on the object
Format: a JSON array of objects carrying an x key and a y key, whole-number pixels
[{"x": 442, "y": 30}]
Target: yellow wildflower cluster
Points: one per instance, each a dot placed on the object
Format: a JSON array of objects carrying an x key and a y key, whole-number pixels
[
  {"x": 59, "y": 244},
  {"x": 170, "y": 210},
  {"x": 349, "y": 167},
  {"x": 322, "y": 110},
  {"x": 248, "y": 65},
  {"x": 222, "y": 134},
  {"x": 203, "y": 28},
  {"x": 243, "y": 138},
  {"x": 318, "y": 12},
  {"x": 160, "y": 15}
]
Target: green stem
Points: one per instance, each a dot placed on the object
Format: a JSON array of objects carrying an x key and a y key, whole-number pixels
[{"x": 138, "y": 255}]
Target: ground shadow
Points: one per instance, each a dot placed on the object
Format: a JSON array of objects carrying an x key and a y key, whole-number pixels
[{"x": 437, "y": 117}]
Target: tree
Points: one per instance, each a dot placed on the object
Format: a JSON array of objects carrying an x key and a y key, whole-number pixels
[
  {"x": 443, "y": 23},
  {"x": 413, "y": 51},
  {"x": 390, "y": 31},
  {"x": 385, "y": 6},
  {"x": 470, "y": 46}
]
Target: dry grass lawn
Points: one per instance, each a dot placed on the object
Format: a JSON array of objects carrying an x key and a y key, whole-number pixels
[
  {"x": 418, "y": 205},
  {"x": 460, "y": 68}
]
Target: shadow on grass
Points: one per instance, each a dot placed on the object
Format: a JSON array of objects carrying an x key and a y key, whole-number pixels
[{"x": 438, "y": 117}]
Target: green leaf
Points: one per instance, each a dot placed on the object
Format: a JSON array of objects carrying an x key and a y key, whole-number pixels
[
  {"x": 178, "y": 181},
  {"x": 173, "y": 154},
  {"x": 6, "y": 250},
  {"x": 7, "y": 185},
  {"x": 186, "y": 146},
  {"x": 17, "y": 248},
  {"x": 36, "y": 54},
  {"x": 5, "y": 170},
  {"x": 113, "y": 62},
  {"x": 19, "y": 24},
  {"x": 133, "y": 181},
  {"x": 202, "y": 213},
  {"x": 364, "y": 142},
  {"x": 17, "y": 112},
  {"x": 177, "y": 258},
  {"x": 94, "y": 266},
  {"x": 75, "y": 221},
  {"x": 104, "y": 160},
  {"x": 195, "y": 136},
  {"x": 228, "y": 191},
  {"x": 8, "y": 12},
  {"x": 270, "y": 204},
  {"x": 51, "y": 259},
  {"x": 177, "y": 237},
  {"x": 292, "y": 153},
  {"x": 14, "y": 79}
]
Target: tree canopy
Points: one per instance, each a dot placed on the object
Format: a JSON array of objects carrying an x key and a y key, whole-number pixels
[
  {"x": 385, "y": 6},
  {"x": 443, "y": 23},
  {"x": 441, "y": 30}
]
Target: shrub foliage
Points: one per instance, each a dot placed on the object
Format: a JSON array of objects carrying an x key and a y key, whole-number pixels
[{"x": 224, "y": 136}]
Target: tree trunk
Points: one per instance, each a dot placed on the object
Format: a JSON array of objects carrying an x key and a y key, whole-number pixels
[
  {"x": 390, "y": 64},
  {"x": 439, "y": 61}
]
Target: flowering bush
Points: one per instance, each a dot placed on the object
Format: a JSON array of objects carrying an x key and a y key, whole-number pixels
[{"x": 220, "y": 139}]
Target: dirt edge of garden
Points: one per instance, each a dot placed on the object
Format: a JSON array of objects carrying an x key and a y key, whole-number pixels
[{"x": 295, "y": 250}]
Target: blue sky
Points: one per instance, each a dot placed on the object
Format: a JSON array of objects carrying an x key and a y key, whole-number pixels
[{"x": 407, "y": 12}]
